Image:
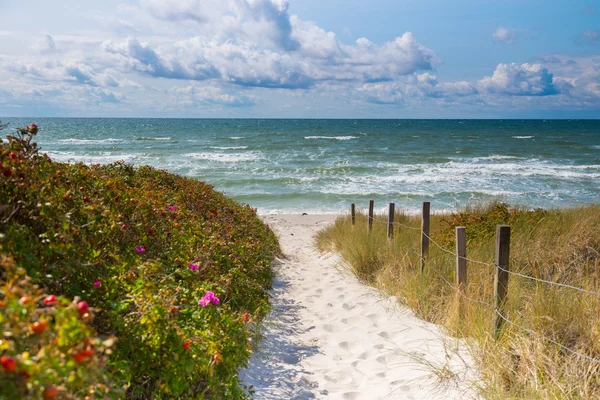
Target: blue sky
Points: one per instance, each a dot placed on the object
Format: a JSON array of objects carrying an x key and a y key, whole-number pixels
[{"x": 300, "y": 58}]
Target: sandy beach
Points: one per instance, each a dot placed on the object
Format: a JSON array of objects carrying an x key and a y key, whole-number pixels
[{"x": 329, "y": 336}]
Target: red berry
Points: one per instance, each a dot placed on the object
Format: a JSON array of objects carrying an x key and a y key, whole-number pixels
[
  {"x": 50, "y": 300},
  {"x": 150, "y": 232},
  {"x": 186, "y": 345},
  {"x": 7, "y": 172},
  {"x": 50, "y": 392},
  {"x": 25, "y": 374},
  {"x": 86, "y": 199},
  {"x": 123, "y": 226},
  {"x": 39, "y": 326},
  {"x": 13, "y": 155},
  {"x": 174, "y": 309},
  {"x": 82, "y": 307},
  {"x": 8, "y": 363}
]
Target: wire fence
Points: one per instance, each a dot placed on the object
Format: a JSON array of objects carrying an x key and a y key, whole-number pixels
[
  {"x": 497, "y": 311},
  {"x": 533, "y": 278}
]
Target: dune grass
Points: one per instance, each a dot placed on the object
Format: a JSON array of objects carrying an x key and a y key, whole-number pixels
[{"x": 556, "y": 245}]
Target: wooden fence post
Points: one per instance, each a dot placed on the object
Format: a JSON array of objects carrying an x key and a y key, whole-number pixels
[
  {"x": 461, "y": 257},
  {"x": 353, "y": 213},
  {"x": 391, "y": 212},
  {"x": 371, "y": 204},
  {"x": 501, "y": 277},
  {"x": 425, "y": 234}
]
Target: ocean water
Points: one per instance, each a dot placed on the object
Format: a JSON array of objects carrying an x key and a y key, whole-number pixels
[{"x": 281, "y": 166}]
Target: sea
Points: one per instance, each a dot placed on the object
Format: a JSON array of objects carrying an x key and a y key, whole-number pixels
[{"x": 324, "y": 165}]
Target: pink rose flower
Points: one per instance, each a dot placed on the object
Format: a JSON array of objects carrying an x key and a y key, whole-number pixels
[{"x": 208, "y": 298}]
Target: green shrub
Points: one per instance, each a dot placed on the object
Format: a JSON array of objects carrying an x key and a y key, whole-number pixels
[{"x": 143, "y": 246}]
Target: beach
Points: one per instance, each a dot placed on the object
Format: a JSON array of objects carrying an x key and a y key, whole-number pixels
[{"x": 329, "y": 336}]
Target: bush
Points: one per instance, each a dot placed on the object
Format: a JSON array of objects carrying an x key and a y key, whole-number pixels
[{"x": 144, "y": 247}]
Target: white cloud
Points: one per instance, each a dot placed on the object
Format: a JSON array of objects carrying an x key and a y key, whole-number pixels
[
  {"x": 519, "y": 79},
  {"x": 194, "y": 95},
  {"x": 505, "y": 35},
  {"x": 257, "y": 43}
]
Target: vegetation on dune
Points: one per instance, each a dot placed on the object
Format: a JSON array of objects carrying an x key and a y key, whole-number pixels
[
  {"x": 556, "y": 245},
  {"x": 152, "y": 278}
]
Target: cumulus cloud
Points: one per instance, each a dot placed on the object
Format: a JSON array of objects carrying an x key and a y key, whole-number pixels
[
  {"x": 520, "y": 80},
  {"x": 320, "y": 57},
  {"x": 416, "y": 86},
  {"x": 258, "y": 43},
  {"x": 505, "y": 35}
]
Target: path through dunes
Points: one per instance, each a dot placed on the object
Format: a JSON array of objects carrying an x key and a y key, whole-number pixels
[{"x": 329, "y": 336}]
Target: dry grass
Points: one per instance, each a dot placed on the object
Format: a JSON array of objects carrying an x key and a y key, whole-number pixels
[{"x": 557, "y": 245}]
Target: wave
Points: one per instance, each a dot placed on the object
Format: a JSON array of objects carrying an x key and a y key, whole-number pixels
[
  {"x": 523, "y": 137},
  {"x": 236, "y": 137},
  {"x": 494, "y": 157},
  {"x": 100, "y": 158},
  {"x": 331, "y": 137},
  {"x": 158, "y": 139},
  {"x": 229, "y": 147},
  {"x": 226, "y": 158},
  {"x": 90, "y": 141}
]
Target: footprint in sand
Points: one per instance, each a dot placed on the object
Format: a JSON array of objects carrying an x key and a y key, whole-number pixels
[
  {"x": 290, "y": 359},
  {"x": 384, "y": 335},
  {"x": 346, "y": 345}
]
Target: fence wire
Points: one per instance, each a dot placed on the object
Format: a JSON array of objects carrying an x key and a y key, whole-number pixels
[
  {"x": 532, "y": 332},
  {"x": 494, "y": 264}
]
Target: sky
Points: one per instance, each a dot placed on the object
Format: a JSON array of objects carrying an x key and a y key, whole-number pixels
[{"x": 300, "y": 58}]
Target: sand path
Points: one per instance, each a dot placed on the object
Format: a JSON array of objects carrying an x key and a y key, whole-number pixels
[{"x": 329, "y": 336}]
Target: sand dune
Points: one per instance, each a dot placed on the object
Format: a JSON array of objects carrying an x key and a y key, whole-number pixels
[{"x": 329, "y": 336}]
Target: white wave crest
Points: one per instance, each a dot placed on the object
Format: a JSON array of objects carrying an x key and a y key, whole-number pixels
[
  {"x": 331, "y": 137},
  {"x": 226, "y": 158},
  {"x": 494, "y": 157},
  {"x": 90, "y": 141},
  {"x": 229, "y": 147},
  {"x": 158, "y": 139},
  {"x": 99, "y": 158},
  {"x": 523, "y": 137}
]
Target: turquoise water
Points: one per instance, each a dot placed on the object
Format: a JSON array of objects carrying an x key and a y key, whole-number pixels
[{"x": 324, "y": 165}]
